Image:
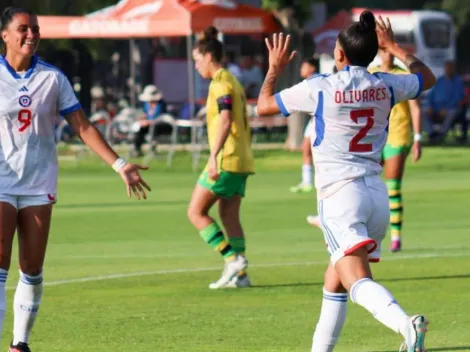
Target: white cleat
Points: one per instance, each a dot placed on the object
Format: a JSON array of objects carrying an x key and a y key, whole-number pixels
[
  {"x": 239, "y": 281},
  {"x": 415, "y": 334},
  {"x": 314, "y": 220},
  {"x": 231, "y": 269}
]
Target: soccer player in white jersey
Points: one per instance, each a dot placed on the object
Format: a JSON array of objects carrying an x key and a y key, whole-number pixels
[
  {"x": 351, "y": 110},
  {"x": 33, "y": 95}
]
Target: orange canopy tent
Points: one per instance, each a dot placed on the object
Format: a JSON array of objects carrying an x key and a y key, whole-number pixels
[
  {"x": 325, "y": 36},
  {"x": 161, "y": 18}
]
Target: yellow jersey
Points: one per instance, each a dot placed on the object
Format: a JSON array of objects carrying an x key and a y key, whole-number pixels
[
  {"x": 226, "y": 92},
  {"x": 399, "y": 130}
]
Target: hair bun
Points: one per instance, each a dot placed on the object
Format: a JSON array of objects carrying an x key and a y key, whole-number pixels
[
  {"x": 210, "y": 33},
  {"x": 367, "y": 21}
]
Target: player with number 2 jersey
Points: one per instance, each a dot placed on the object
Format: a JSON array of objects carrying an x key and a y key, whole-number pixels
[{"x": 351, "y": 110}]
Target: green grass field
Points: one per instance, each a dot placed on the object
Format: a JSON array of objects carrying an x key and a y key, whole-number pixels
[{"x": 124, "y": 275}]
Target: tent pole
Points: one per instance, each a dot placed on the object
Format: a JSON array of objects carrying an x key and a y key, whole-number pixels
[
  {"x": 191, "y": 95},
  {"x": 132, "y": 72}
]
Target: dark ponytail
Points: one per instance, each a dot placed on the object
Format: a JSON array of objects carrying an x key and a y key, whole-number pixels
[
  {"x": 359, "y": 40},
  {"x": 367, "y": 22},
  {"x": 210, "y": 44}
]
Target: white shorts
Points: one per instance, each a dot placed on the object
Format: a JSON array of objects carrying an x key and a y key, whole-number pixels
[
  {"x": 20, "y": 202},
  {"x": 309, "y": 129},
  {"x": 355, "y": 216}
]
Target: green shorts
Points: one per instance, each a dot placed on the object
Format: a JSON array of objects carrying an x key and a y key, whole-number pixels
[
  {"x": 390, "y": 151},
  {"x": 227, "y": 185}
]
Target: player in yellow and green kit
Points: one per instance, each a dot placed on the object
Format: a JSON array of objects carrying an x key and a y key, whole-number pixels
[
  {"x": 404, "y": 117},
  {"x": 230, "y": 163}
]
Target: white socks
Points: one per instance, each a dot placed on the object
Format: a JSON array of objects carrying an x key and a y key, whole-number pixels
[
  {"x": 26, "y": 304},
  {"x": 380, "y": 302},
  {"x": 332, "y": 317},
  {"x": 307, "y": 174}
]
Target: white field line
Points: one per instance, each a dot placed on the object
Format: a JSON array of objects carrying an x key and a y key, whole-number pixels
[
  {"x": 266, "y": 265},
  {"x": 199, "y": 253}
]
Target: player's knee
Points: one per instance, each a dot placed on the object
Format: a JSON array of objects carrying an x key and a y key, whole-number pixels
[
  {"x": 332, "y": 283},
  {"x": 31, "y": 271},
  {"x": 31, "y": 267},
  {"x": 194, "y": 214}
]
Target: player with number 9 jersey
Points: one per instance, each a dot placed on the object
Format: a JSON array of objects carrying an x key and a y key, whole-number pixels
[
  {"x": 29, "y": 111},
  {"x": 34, "y": 94}
]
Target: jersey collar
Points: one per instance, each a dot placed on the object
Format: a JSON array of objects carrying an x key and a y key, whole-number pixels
[
  {"x": 15, "y": 75},
  {"x": 354, "y": 68}
]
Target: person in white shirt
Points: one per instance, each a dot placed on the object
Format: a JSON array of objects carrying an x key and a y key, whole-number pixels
[
  {"x": 34, "y": 94},
  {"x": 351, "y": 110}
]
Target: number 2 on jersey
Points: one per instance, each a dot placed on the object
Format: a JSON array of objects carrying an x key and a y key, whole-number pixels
[
  {"x": 355, "y": 145},
  {"x": 24, "y": 116}
]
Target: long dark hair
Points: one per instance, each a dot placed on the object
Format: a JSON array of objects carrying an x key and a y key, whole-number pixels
[{"x": 359, "y": 40}]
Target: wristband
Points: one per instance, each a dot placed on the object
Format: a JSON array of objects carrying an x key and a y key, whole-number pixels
[
  {"x": 119, "y": 164},
  {"x": 417, "y": 137}
]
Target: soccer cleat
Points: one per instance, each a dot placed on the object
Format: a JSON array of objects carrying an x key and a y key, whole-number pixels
[
  {"x": 301, "y": 188},
  {"x": 395, "y": 246},
  {"x": 239, "y": 281},
  {"x": 415, "y": 334},
  {"x": 314, "y": 220},
  {"x": 20, "y": 347},
  {"x": 231, "y": 269}
]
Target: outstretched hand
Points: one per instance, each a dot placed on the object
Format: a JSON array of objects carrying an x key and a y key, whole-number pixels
[
  {"x": 279, "y": 52},
  {"x": 384, "y": 33},
  {"x": 134, "y": 182}
]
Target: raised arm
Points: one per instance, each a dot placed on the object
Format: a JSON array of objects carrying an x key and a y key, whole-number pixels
[
  {"x": 279, "y": 57},
  {"x": 414, "y": 65}
]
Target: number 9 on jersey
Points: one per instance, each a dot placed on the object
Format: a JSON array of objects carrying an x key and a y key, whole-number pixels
[{"x": 24, "y": 117}]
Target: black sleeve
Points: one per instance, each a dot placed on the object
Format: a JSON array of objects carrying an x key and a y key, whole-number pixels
[{"x": 224, "y": 103}]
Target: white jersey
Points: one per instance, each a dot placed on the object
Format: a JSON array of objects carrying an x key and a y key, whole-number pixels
[
  {"x": 350, "y": 111},
  {"x": 30, "y": 104}
]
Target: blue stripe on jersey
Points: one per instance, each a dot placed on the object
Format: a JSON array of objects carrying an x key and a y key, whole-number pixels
[
  {"x": 329, "y": 238},
  {"x": 281, "y": 105},
  {"x": 319, "y": 122},
  {"x": 70, "y": 109},
  {"x": 50, "y": 66},
  {"x": 392, "y": 97},
  {"x": 420, "y": 84},
  {"x": 392, "y": 104},
  {"x": 15, "y": 75}
]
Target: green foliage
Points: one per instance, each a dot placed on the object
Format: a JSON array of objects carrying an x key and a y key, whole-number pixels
[
  {"x": 460, "y": 9},
  {"x": 302, "y": 9}
]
